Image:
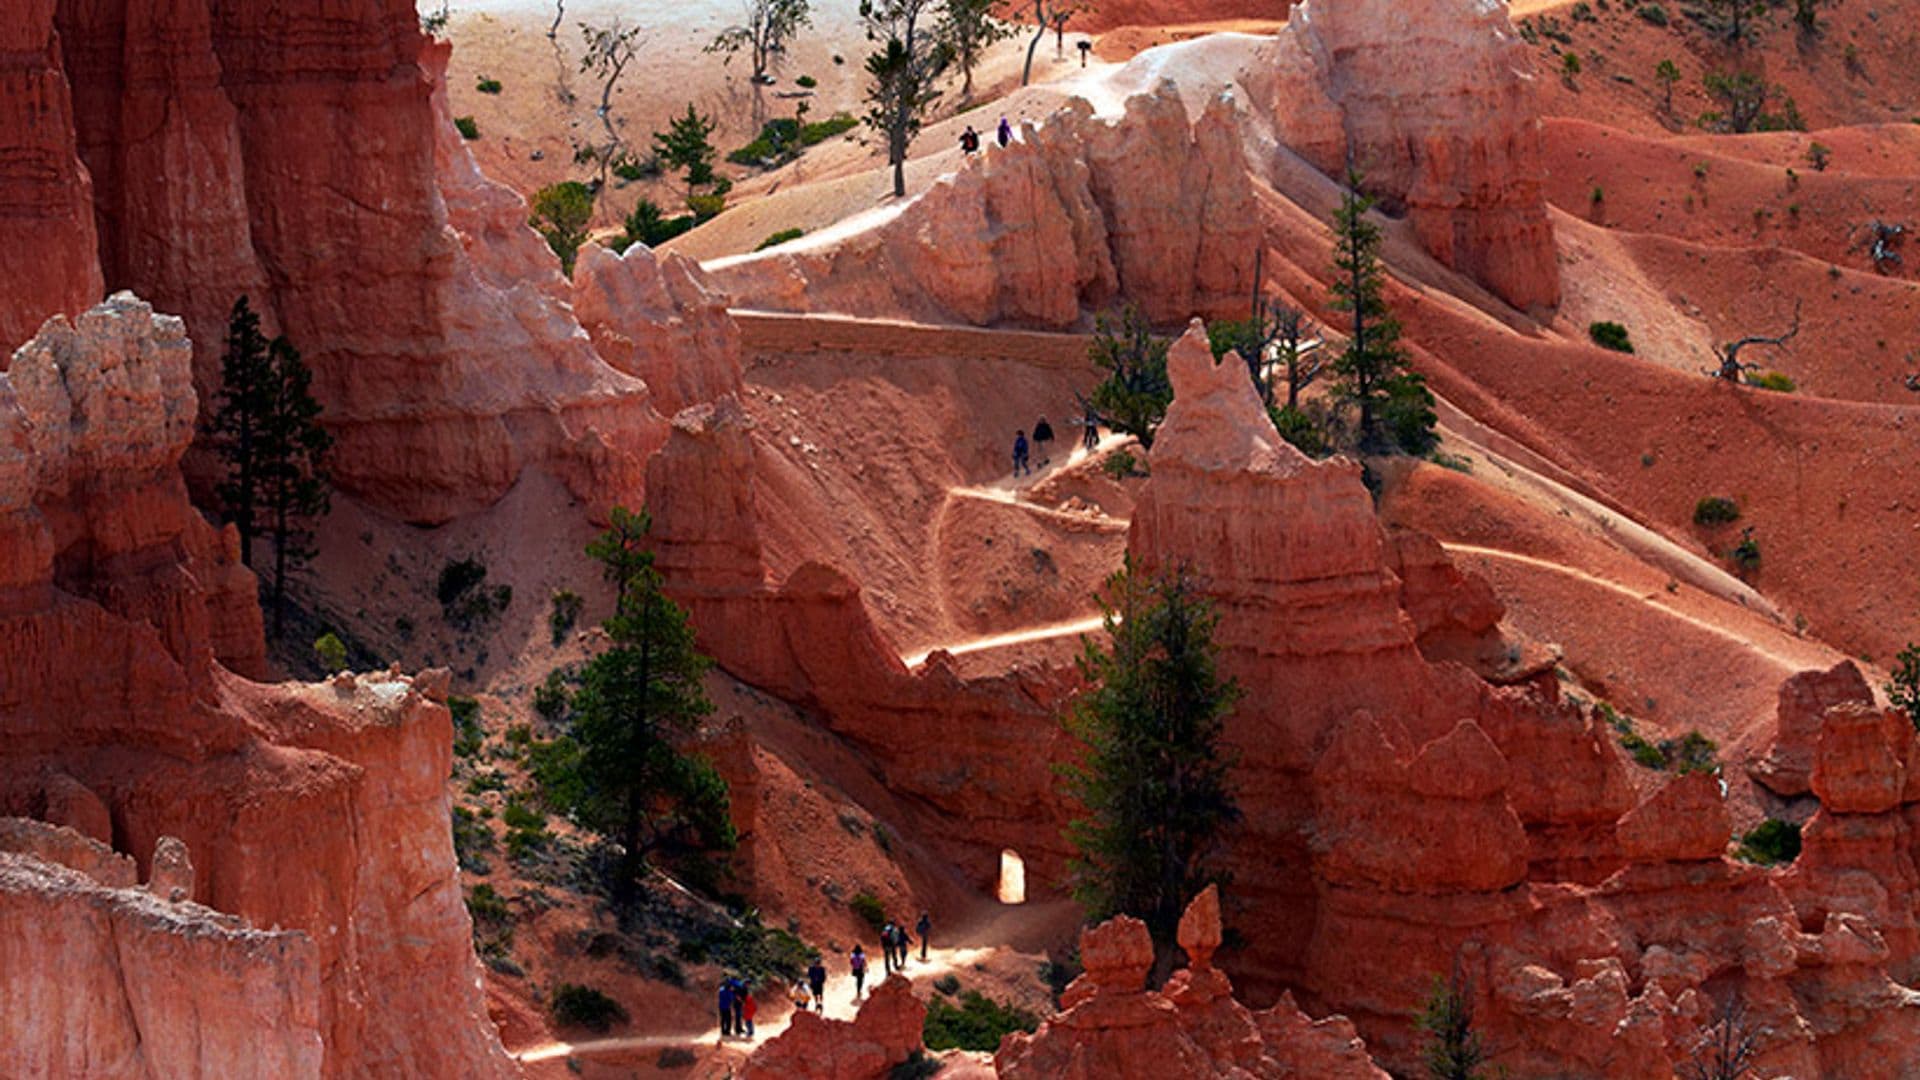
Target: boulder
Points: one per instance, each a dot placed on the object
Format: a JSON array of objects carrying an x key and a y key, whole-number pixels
[{"x": 881, "y": 1035}]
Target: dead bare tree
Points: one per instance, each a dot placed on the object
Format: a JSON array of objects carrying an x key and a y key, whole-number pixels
[
  {"x": 609, "y": 50},
  {"x": 1049, "y": 14},
  {"x": 1882, "y": 241},
  {"x": 1726, "y": 1050},
  {"x": 1731, "y": 366},
  {"x": 559, "y": 12}
]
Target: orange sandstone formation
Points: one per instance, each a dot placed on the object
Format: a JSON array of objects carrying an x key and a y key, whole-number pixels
[
  {"x": 320, "y": 810},
  {"x": 881, "y": 1035}
]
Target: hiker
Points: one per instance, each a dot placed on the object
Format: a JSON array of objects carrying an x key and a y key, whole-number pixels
[
  {"x": 970, "y": 140},
  {"x": 748, "y": 1007},
  {"x": 899, "y": 945},
  {"x": 726, "y": 1008},
  {"x": 798, "y": 995},
  {"x": 857, "y": 963},
  {"x": 886, "y": 948},
  {"x": 1005, "y": 134},
  {"x": 817, "y": 982},
  {"x": 1043, "y": 441},
  {"x": 1092, "y": 424},
  {"x": 740, "y": 997},
  {"x": 1020, "y": 453},
  {"x": 923, "y": 928}
]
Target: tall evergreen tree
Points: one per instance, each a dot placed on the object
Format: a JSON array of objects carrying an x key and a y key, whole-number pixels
[
  {"x": 901, "y": 74},
  {"x": 620, "y": 771},
  {"x": 687, "y": 145},
  {"x": 291, "y": 466},
  {"x": 1134, "y": 396},
  {"x": 243, "y": 389},
  {"x": 970, "y": 28},
  {"x": 1453, "y": 1049},
  {"x": 269, "y": 435},
  {"x": 1395, "y": 407},
  {"x": 1153, "y": 778}
]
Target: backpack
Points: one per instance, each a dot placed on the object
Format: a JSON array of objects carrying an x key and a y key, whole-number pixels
[{"x": 858, "y": 961}]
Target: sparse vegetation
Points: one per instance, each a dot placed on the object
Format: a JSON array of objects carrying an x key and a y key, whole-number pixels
[
  {"x": 331, "y": 651},
  {"x": 948, "y": 984},
  {"x": 686, "y": 146},
  {"x": 764, "y": 33},
  {"x": 574, "y": 1005},
  {"x": 1743, "y": 98},
  {"x": 1778, "y": 382},
  {"x": 1903, "y": 691},
  {"x": 781, "y": 237},
  {"x": 1770, "y": 843},
  {"x": 869, "y": 909},
  {"x": 1745, "y": 555},
  {"x": 977, "y": 1023},
  {"x": 1610, "y": 335},
  {"x": 1715, "y": 510},
  {"x": 1819, "y": 155},
  {"x": 487, "y": 86},
  {"x": 1453, "y": 1050},
  {"x": 467, "y": 126},
  {"x": 901, "y": 75},
  {"x": 918, "y": 1066},
  {"x": 560, "y": 214},
  {"x": 782, "y": 138},
  {"x": 1396, "y": 410},
  {"x": 1654, "y": 14},
  {"x": 465, "y": 600},
  {"x": 564, "y": 613}
]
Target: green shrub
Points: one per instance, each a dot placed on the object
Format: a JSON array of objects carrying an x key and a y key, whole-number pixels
[
  {"x": 552, "y": 699},
  {"x": 1642, "y": 751},
  {"x": 1654, "y": 14},
  {"x": 822, "y": 130},
  {"x": 467, "y": 733},
  {"x": 471, "y": 838},
  {"x": 1610, "y": 335},
  {"x": 517, "y": 815},
  {"x": 564, "y": 614},
  {"x": 464, "y": 602},
  {"x": 331, "y": 651},
  {"x": 487, "y": 86},
  {"x": 574, "y": 1005},
  {"x": 1776, "y": 381},
  {"x": 806, "y": 82},
  {"x": 761, "y": 953},
  {"x": 948, "y": 984},
  {"x": 1691, "y": 753},
  {"x": 781, "y": 237},
  {"x": 1819, "y": 155},
  {"x": 1770, "y": 843},
  {"x": 1569, "y": 64},
  {"x": 868, "y": 907},
  {"x": 706, "y": 207},
  {"x": 918, "y": 1066},
  {"x": 977, "y": 1023},
  {"x": 1715, "y": 510},
  {"x": 646, "y": 225},
  {"x": 468, "y": 128},
  {"x": 1746, "y": 554},
  {"x": 1298, "y": 427}
]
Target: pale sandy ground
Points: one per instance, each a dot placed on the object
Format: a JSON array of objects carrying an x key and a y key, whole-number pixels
[{"x": 546, "y": 105}]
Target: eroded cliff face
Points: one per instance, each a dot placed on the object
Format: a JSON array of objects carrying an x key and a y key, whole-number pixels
[
  {"x": 433, "y": 318},
  {"x": 1404, "y": 817},
  {"x": 321, "y": 810},
  {"x": 48, "y": 263},
  {"x": 1431, "y": 101},
  {"x": 1079, "y": 212}
]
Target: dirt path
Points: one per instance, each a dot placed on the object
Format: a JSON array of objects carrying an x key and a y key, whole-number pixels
[{"x": 1017, "y": 637}]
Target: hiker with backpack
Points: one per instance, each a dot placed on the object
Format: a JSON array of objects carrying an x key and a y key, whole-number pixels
[
  {"x": 1043, "y": 441},
  {"x": 923, "y": 928},
  {"x": 857, "y": 963},
  {"x": 817, "y": 982},
  {"x": 1020, "y": 454},
  {"x": 886, "y": 948},
  {"x": 726, "y": 1008}
]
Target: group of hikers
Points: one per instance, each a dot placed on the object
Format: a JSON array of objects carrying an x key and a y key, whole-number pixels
[
  {"x": 970, "y": 139},
  {"x": 1042, "y": 438},
  {"x": 737, "y": 1005}
]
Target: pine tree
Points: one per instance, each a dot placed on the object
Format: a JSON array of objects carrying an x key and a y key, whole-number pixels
[
  {"x": 901, "y": 75},
  {"x": 970, "y": 28},
  {"x": 243, "y": 389},
  {"x": 1395, "y": 408},
  {"x": 268, "y": 432},
  {"x": 291, "y": 466},
  {"x": 1134, "y": 396},
  {"x": 687, "y": 145},
  {"x": 619, "y": 770},
  {"x": 1454, "y": 1050},
  {"x": 1153, "y": 778}
]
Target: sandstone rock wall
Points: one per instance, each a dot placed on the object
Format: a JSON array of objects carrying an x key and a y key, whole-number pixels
[
  {"x": 434, "y": 319},
  {"x": 1078, "y": 213},
  {"x": 317, "y": 809},
  {"x": 1433, "y": 103}
]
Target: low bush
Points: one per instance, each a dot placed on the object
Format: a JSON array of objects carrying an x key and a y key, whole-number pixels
[
  {"x": 781, "y": 237},
  {"x": 918, "y": 1066},
  {"x": 782, "y": 138},
  {"x": 868, "y": 907},
  {"x": 467, "y": 127},
  {"x": 1745, "y": 555},
  {"x": 648, "y": 225},
  {"x": 977, "y": 1023},
  {"x": 1691, "y": 753},
  {"x": 806, "y": 82},
  {"x": 487, "y": 86},
  {"x": 467, "y": 733},
  {"x": 564, "y": 614},
  {"x": 518, "y": 815},
  {"x": 706, "y": 207},
  {"x": 1715, "y": 510},
  {"x": 465, "y": 601},
  {"x": 1299, "y": 428},
  {"x": 471, "y": 838},
  {"x": 331, "y": 651},
  {"x": 1770, "y": 843},
  {"x": 551, "y": 699},
  {"x": 948, "y": 984},
  {"x": 1610, "y": 335},
  {"x": 1779, "y": 382},
  {"x": 574, "y": 1005},
  {"x": 1654, "y": 14}
]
